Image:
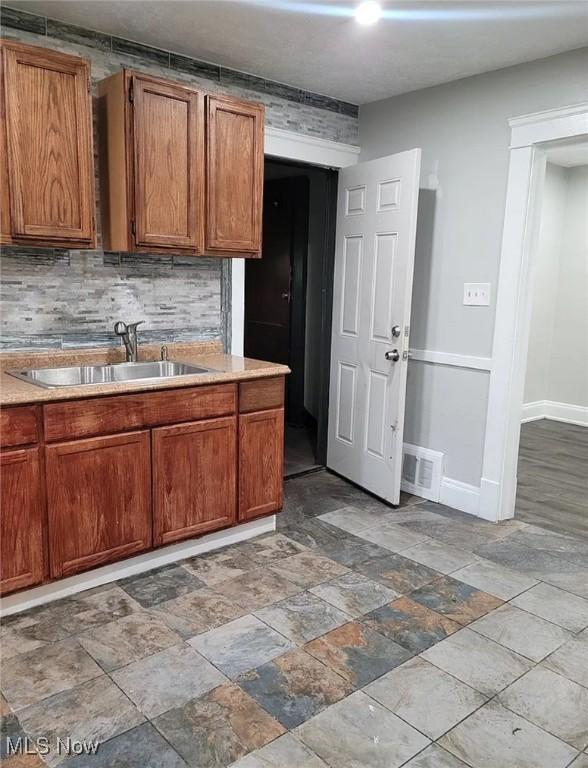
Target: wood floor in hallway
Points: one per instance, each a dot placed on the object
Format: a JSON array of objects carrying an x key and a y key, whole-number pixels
[{"x": 553, "y": 476}]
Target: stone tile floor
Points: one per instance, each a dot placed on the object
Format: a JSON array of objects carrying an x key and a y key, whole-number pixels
[{"x": 357, "y": 635}]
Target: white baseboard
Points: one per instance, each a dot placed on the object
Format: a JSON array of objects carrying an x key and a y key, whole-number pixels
[
  {"x": 462, "y": 496},
  {"x": 130, "y": 567},
  {"x": 549, "y": 409}
]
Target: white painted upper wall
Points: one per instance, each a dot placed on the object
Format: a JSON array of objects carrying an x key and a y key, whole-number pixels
[
  {"x": 546, "y": 270},
  {"x": 568, "y": 371},
  {"x": 463, "y": 131}
]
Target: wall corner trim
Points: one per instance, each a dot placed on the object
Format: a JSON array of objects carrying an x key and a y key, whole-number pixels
[{"x": 460, "y": 495}]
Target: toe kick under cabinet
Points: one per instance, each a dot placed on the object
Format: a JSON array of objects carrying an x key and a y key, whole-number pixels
[{"x": 88, "y": 482}]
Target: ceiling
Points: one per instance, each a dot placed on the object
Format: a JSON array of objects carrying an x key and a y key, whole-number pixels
[
  {"x": 318, "y": 46},
  {"x": 569, "y": 155}
]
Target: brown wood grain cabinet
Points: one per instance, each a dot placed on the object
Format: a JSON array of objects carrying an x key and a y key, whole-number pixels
[
  {"x": 22, "y": 513},
  {"x": 261, "y": 463},
  {"x": 234, "y": 175},
  {"x": 152, "y": 164},
  {"x": 46, "y": 157},
  {"x": 87, "y": 482},
  {"x": 98, "y": 501},
  {"x": 194, "y": 478},
  {"x": 179, "y": 169}
]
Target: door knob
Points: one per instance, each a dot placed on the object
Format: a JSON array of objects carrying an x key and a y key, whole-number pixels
[{"x": 392, "y": 354}]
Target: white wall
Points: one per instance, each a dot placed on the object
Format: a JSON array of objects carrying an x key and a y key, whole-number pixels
[
  {"x": 463, "y": 131},
  {"x": 546, "y": 270},
  {"x": 557, "y": 363}
]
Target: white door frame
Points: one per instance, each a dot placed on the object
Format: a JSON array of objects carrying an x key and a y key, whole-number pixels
[
  {"x": 284, "y": 145},
  {"x": 513, "y": 308}
]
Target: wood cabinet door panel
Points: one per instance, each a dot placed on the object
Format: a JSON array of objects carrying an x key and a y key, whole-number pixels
[
  {"x": 234, "y": 175},
  {"x": 49, "y": 139},
  {"x": 19, "y": 425},
  {"x": 194, "y": 478},
  {"x": 99, "y": 501},
  {"x": 22, "y": 514},
  {"x": 261, "y": 463},
  {"x": 5, "y": 225},
  {"x": 168, "y": 131}
]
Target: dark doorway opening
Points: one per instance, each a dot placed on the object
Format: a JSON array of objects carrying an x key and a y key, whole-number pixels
[{"x": 288, "y": 300}]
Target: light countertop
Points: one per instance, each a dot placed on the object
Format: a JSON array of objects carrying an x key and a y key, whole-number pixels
[{"x": 225, "y": 369}]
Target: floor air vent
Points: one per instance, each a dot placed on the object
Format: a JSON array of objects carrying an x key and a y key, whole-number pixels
[{"x": 422, "y": 470}]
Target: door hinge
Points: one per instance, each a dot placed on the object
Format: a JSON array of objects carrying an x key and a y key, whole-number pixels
[
  {"x": 133, "y": 227},
  {"x": 131, "y": 92}
]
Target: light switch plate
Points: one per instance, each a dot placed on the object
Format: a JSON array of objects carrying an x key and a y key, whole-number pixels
[{"x": 476, "y": 294}]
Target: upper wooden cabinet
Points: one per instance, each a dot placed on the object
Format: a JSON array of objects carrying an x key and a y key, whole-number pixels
[
  {"x": 46, "y": 157},
  {"x": 152, "y": 164},
  {"x": 178, "y": 173},
  {"x": 234, "y": 175}
]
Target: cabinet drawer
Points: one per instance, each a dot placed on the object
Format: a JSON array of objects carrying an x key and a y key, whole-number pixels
[
  {"x": 261, "y": 394},
  {"x": 107, "y": 415},
  {"x": 19, "y": 426}
]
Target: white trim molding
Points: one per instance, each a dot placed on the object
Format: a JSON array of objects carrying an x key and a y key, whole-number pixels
[
  {"x": 284, "y": 145},
  {"x": 526, "y": 177},
  {"x": 309, "y": 149},
  {"x": 550, "y": 125},
  {"x": 459, "y": 495},
  {"x": 549, "y": 409},
  {"x": 452, "y": 359},
  {"x": 132, "y": 566}
]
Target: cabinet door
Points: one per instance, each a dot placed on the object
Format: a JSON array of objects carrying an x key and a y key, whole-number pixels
[
  {"x": 194, "y": 478},
  {"x": 261, "y": 463},
  {"x": 49, "y": 141},
  {"x": 234, "y": 175},
  {"x": 99, "y": 501},
  {"x": 168, "y": 136},
  {"x": 21, "y": 520},
  {"x": 5, "y": 226}
]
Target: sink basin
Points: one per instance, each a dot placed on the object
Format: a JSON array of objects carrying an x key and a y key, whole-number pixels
[{"x": 106, "y": 374}]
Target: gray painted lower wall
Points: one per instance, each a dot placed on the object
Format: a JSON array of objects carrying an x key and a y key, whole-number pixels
[
  {"x": 462, "y": 128},
  {"x": 60, "y": 298}
]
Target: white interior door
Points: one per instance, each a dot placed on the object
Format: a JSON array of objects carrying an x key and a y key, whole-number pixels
[{"x": 374, "y": 258}]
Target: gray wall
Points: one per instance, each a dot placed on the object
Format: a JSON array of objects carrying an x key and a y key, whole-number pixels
[
  {"x": 69, "y": 298},
  {"x": 463, "y": 131},
  {"x": 557, "y": 363}
]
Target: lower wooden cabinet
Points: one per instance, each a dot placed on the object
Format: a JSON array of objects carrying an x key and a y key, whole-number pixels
[
  {"x": 21, "y": 520},
  {"x": 77, "y": 500},
  {"x": 261, "y": 463},
  {"x": 98, "y": 500},
  {"x": 194, "y": 478}
]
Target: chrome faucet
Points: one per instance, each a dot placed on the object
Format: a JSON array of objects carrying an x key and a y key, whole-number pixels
[{"x": 128, "y": 333}]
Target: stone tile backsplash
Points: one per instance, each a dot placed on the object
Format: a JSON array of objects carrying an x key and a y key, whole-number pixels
[{"x": 56, "y": 298}]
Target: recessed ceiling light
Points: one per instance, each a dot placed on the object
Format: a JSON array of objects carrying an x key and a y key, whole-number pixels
[{"x": 368, "y": 12}]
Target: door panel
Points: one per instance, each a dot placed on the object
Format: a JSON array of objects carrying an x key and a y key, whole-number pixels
[
  {"x": 194, "y": 478},
  {"x": 234, "y": 175},
  {"x": 49, "y": 138},
  {"x": 168, "y": 126},
  {"x": 99, "y": 501},
  {"x": 21, "y": 520},
  {"x": 374, "y": 257},
  {"x": 261, "y": 463}
]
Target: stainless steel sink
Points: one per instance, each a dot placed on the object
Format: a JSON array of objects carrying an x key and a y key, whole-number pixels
[{"x": 106, "y": 374}]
